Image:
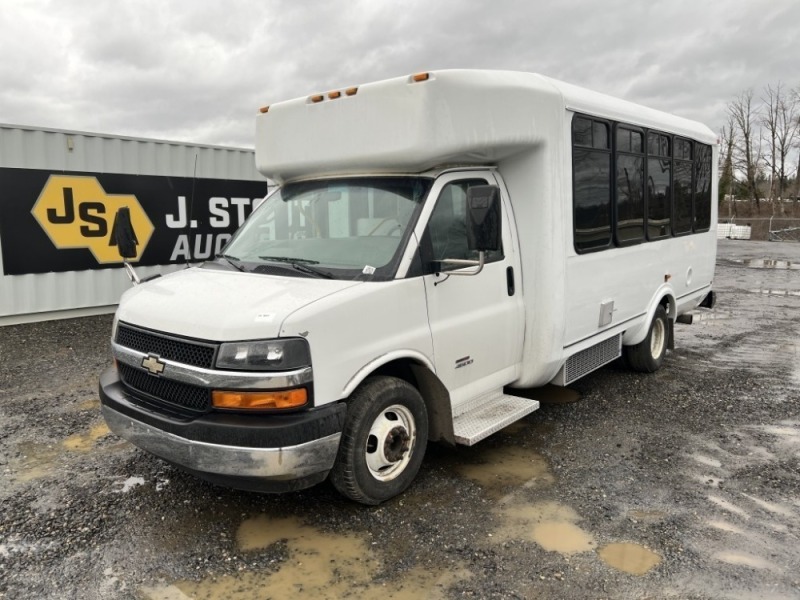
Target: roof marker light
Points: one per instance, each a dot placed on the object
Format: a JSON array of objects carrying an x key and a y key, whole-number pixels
[
  {"x": 263, "y": 109},
  {"x": 420, "y": 77},
  {"x": 351, "y": 91},
  {"x": 316, "y": 98},
  {"x": 334, "y": 95}
]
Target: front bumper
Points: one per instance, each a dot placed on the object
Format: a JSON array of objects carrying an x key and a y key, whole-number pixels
[{"x": 270, "y": 453}]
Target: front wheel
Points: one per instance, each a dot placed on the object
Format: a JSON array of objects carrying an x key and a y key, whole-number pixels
[
  {"x": 648, "y": 355},
  {"x": 383, "y": 441}
]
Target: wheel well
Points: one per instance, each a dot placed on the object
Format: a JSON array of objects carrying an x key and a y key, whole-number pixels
[
  {"x": 433, "y": 392},
  {"x": 397, "y": 368}
]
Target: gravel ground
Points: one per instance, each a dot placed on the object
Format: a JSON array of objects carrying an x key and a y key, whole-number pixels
[{"x": 680, "y": 484}]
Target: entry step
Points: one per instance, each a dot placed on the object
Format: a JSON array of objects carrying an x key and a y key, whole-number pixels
[{"x": 489, "y": 414}]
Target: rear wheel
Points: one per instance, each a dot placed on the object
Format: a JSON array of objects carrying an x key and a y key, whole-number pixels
[
  {"x": 383, "y": 441},
  {"x": 648, "y": 355}
]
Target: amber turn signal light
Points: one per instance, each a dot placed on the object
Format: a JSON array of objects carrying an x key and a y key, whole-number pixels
[{"x": 259, "y": 400}]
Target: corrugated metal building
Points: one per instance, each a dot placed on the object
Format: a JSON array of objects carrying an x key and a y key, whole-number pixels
[{"x": 59, "y": 192}]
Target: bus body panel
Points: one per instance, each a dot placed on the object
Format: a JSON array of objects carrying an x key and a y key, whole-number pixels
[{"x": 535, "y": 305}]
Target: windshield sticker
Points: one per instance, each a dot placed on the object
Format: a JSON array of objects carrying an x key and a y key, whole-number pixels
[{"x": 368, "y": 270}]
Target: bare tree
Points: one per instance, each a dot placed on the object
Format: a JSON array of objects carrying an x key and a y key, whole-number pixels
[
  {"x": 748, "y": 157},
  {"x": 728, "y": 139},
  {"x": 780, "y": 118},
  {"x": 796, "y": 100}
]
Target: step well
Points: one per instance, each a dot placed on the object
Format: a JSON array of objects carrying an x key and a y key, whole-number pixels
[{"x": 488, "y": 414}]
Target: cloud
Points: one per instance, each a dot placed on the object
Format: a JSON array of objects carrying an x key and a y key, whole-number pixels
[{"x": 198, "y": 71}]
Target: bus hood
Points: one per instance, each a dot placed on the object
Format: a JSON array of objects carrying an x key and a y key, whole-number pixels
[{"x": 222, "y": 305}]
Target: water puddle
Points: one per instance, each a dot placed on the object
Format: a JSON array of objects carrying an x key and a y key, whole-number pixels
[
  {"x": 730, "y": 507},
  {"x": 84, "y": 442},
  {"x": 742, "y": 559},
  {"x": 320, "y": 565},
  {"x": 647, "y": 516},
  {"x": 89, "y": 404},
  {"x": 775, "y": 292},
  {"x": 549, "y": 524},
  {"x": 790, "y": 431},
  {"x": 37, "y": 460},
  {"x": 507, "y": 467},
  {"x": 706, "y": 460},
  {"x": 128, "y": 484},
  {"x": 725, "y": 526},
  {"x": 710, "y": 317},
  {"x": 771, "y": 507},
  {"x": 767, "y": 263},
  {"x": 629, "y": 558}
]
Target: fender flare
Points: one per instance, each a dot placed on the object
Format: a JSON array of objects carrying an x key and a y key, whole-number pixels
[
  {"x": 636, "y": 334},
  {"x": 377, "y": 362},
  {"x": 433, "y": 391}
]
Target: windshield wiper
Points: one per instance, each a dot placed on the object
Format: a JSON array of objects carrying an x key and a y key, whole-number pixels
[
  {"x": 299, "y": 264},
  {"x": 231, "y": 261},
  {"x": 290, "y": 260}
]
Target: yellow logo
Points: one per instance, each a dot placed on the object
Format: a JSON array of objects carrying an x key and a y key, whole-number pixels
[{"x": 76, "y": 212}]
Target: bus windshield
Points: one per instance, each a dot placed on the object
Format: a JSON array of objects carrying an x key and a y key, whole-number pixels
[{"x": 336, "y": 228}]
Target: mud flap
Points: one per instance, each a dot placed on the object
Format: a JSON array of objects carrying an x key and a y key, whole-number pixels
[
  {"x": 670, "y": 334},
  {"x": 710, "y": 300}
]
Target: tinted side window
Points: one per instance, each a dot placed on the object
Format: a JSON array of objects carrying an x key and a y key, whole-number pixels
[
  {"x": 591, "y": 194},
  {"x": 682, "y": 215},
  {"x": 659, "y": 185},
  {"x": 592, "y": 199},
  {"x": 659, "y": 196},
  {"x": 629, "y": 187},
  {"x": 702, "y": 190}
]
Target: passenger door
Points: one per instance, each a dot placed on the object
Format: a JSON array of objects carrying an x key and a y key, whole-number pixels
[{"x": 476, "y": 321}]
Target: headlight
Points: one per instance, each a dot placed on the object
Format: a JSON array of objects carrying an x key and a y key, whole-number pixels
[{"x": 265, "y": 355}]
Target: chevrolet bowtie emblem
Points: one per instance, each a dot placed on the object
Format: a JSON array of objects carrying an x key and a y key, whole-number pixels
[{"x": 152, "y": 362}]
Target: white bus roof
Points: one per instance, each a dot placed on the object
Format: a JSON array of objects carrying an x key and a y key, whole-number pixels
[{"x": 454, "y": 117}]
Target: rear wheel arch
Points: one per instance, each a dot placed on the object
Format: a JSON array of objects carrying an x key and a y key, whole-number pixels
[{"x": 648, "y": 355}]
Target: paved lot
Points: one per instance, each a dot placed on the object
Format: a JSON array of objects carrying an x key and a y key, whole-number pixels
[{"x": 680, "y": 484}]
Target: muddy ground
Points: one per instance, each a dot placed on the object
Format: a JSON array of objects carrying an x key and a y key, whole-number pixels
[{"x": 681, "y": 484}]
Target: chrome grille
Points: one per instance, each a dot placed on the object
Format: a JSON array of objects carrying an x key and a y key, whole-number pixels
[
  {"x": 197, "y": 354},
  {"x": 193, "y": 398}
]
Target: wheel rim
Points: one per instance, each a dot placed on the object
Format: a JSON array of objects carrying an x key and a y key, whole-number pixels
[
  {"x": 658, "y": 338},
  {"x": 390, "y": 442}
]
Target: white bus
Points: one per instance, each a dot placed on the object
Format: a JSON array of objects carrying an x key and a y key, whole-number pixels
[{"x": 437, "y": 241}]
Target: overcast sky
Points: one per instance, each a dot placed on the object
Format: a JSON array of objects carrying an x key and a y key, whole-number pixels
[{"x": 198, "y": 70}]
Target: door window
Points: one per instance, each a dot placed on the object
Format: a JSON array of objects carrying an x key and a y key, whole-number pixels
[{"x": 447, "y": 228}]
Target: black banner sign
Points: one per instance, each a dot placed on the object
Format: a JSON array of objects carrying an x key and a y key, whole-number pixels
[{"x": 63, "y": 221}]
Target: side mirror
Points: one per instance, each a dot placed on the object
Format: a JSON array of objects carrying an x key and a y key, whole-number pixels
[
  {"x": 484, "y": 230},
  {"x": 123, "y": 236}
]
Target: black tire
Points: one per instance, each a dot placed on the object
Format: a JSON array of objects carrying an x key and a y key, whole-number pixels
[
  {"x": 367, "y": 469},
  {"x": 647, "y": 356}
]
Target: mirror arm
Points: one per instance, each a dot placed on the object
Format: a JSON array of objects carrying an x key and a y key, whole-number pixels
[
  {"x": 466, "y": 263},
  {"x": 131, "y": 273}
]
